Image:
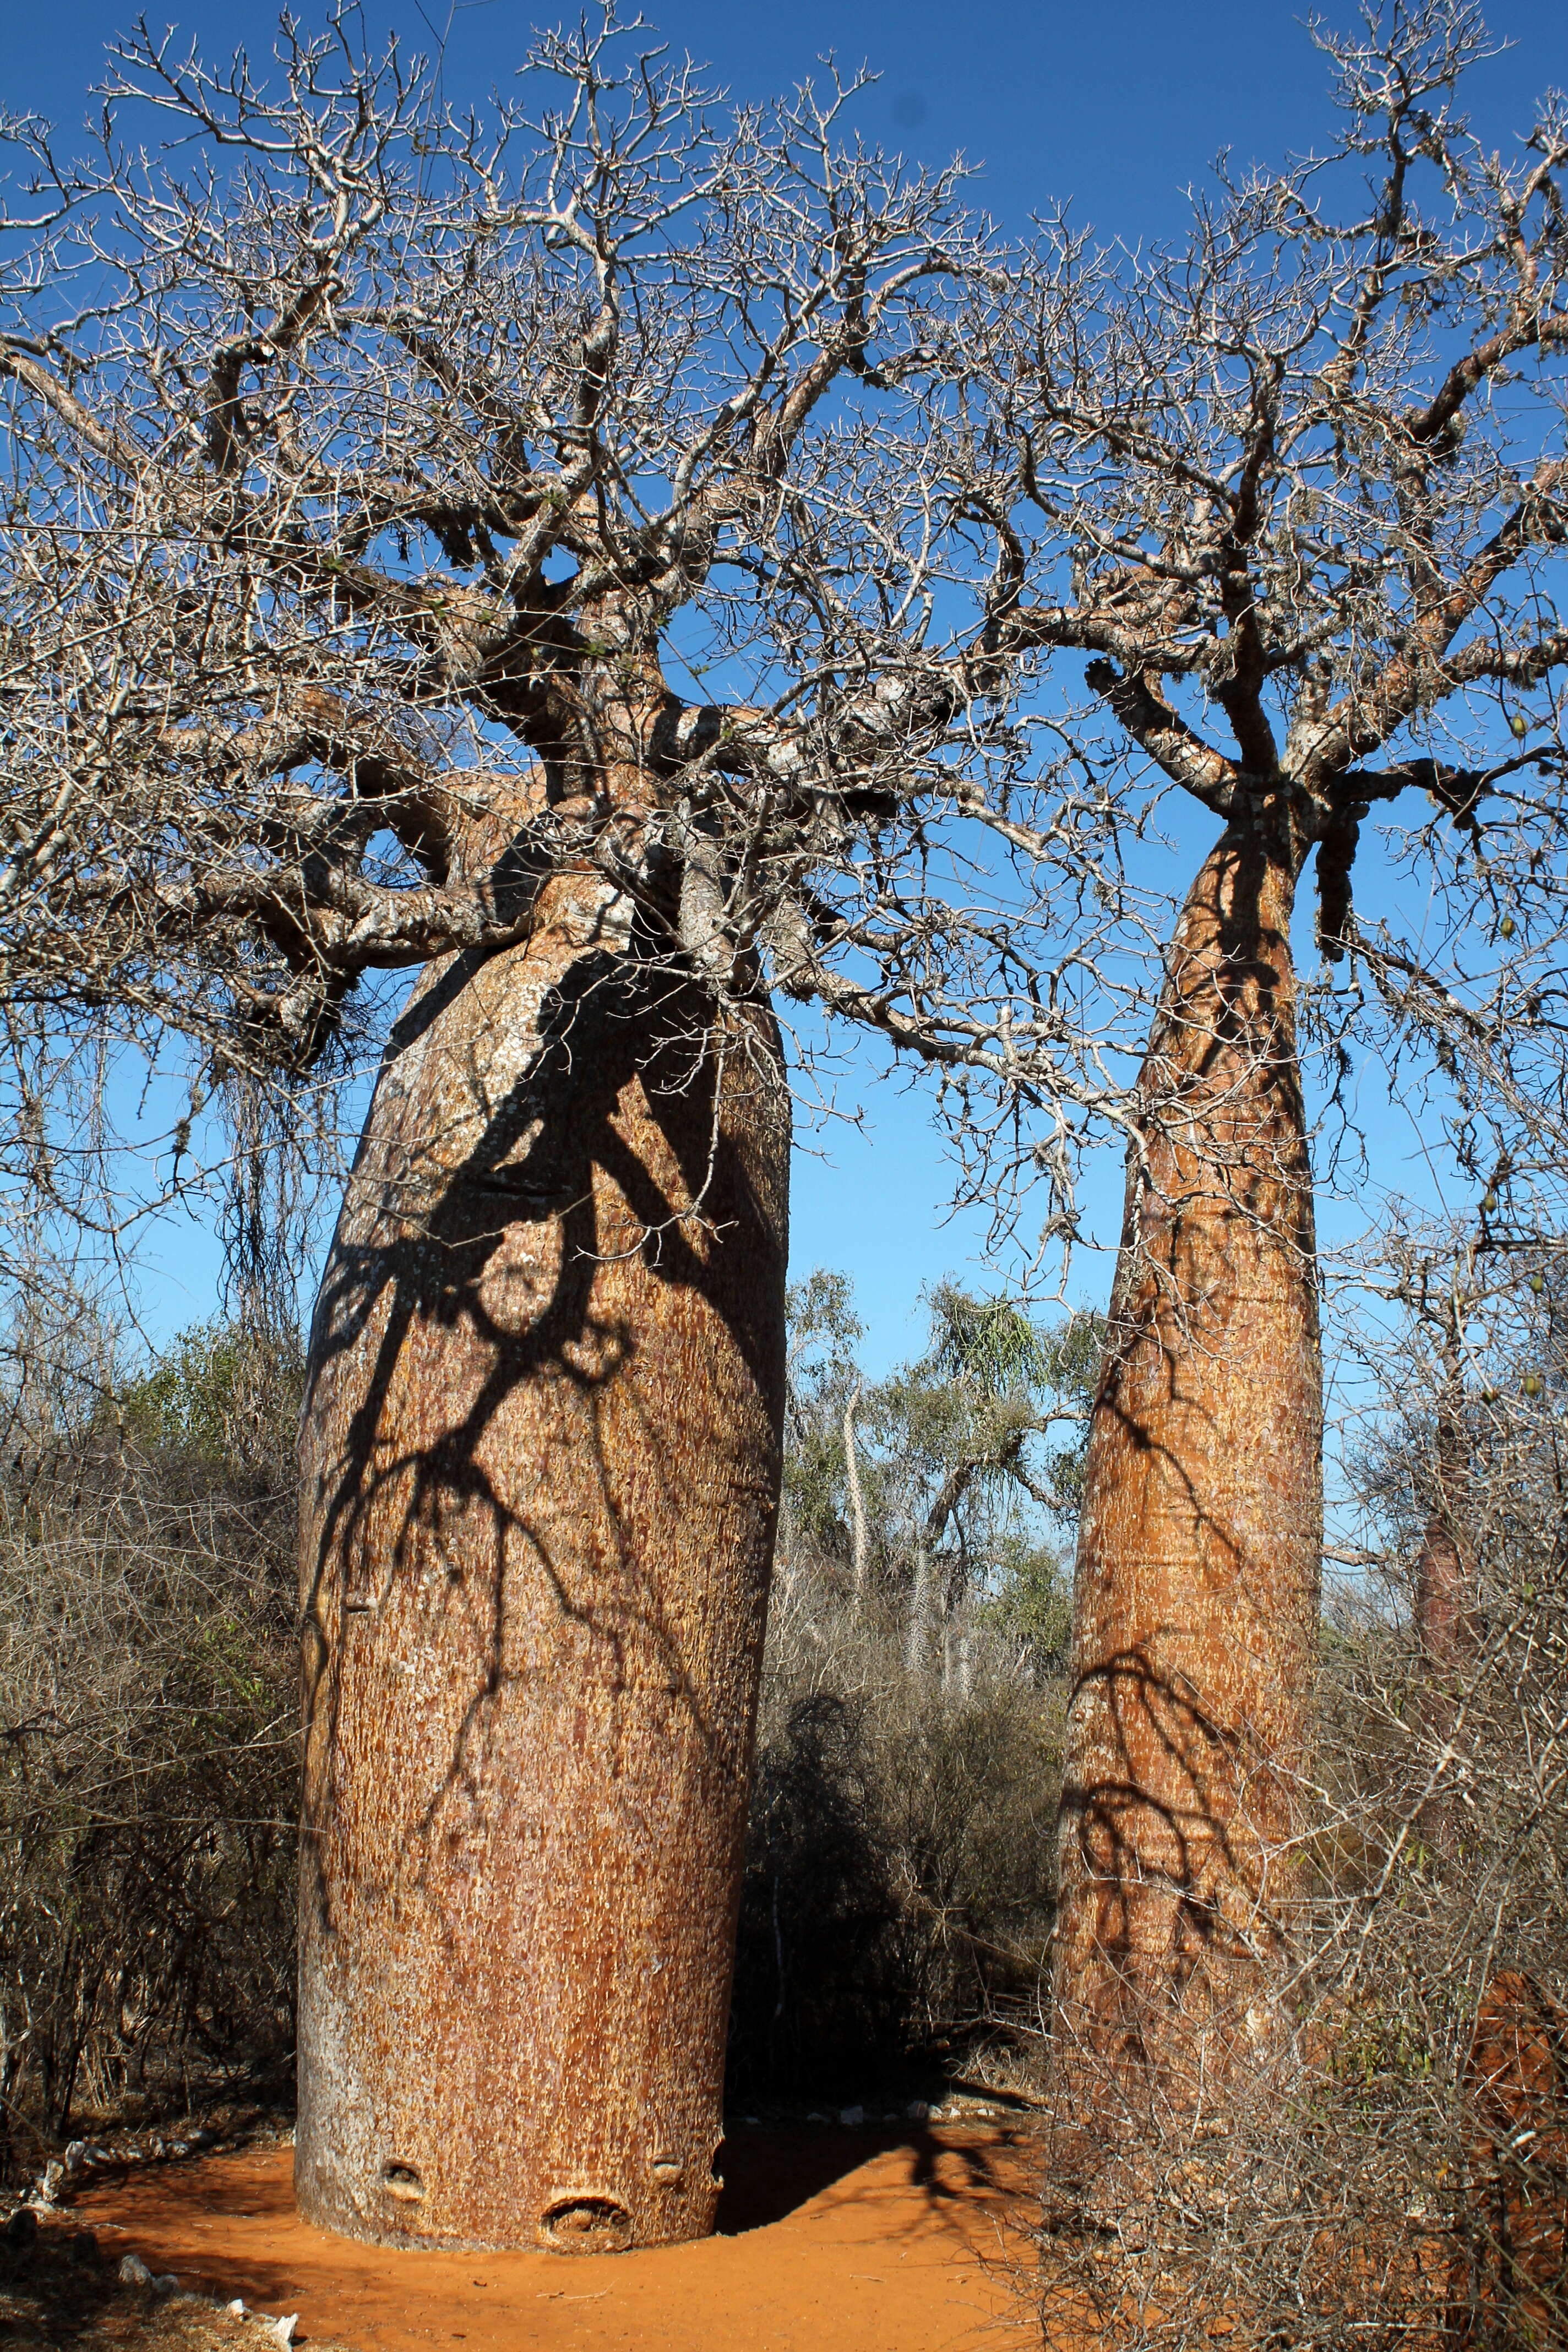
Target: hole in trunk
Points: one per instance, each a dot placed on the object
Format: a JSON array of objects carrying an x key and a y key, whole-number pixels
[
  {"x": 586, "y": 2225},
  {"x": 403, "y": 2179}
]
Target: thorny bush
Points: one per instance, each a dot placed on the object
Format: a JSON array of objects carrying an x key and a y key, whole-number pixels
[
  {"x": 898, "y": 1899},
  {"x": 147, "y": 1679},
  {"x": 897, "y": 1904}
]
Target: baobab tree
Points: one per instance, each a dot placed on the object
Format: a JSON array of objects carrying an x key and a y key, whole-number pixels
[
  {"x": 1291, "y": 491},
  {"x": 1296, "y": 488},
  {"x": 376, "y": 507}
]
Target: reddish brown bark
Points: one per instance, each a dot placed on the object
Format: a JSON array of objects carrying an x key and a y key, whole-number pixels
[
  {"x": 1511, "y": 2276},
  {"x": 540, "y": 1459},
  {"x": 1440, "y": 1594},
  {"x": 1201, "y": 1536},
  {"x": 1445, "y": 1620}
]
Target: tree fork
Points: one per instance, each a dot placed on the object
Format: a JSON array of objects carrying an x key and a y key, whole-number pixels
[
  {"x": 541, "y": 1460},
  {"x": 1201, "y": 1535}
]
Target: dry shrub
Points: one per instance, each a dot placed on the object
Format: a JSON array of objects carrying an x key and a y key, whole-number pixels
[
  {"x": 147, "y": 1695},
  {"x": 898, "y": 1894},
  {"x": 1311, "y": 2215}
]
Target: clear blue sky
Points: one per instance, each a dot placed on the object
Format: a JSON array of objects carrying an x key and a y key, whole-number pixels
[{"x": 1118, "y": 107}]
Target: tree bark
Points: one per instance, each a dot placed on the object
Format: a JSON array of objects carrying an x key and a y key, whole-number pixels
[
  {"x": 1444, "y": 1603},
  {"x": 916, "y": 1625},
  {"x": 1445, "y": 1620},
  {"x": 1440, "y": 1583},
  {"x": 1200, "y": 1547},
  {"x": 541, "y": 1461},
  {"x": 859, "y": 1537}
]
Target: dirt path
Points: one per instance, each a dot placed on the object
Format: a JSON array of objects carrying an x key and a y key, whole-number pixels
[{"x": 829, "y": 2241}]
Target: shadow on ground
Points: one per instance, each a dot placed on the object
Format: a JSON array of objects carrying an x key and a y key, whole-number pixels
[{"x": 770, "y": 2173}]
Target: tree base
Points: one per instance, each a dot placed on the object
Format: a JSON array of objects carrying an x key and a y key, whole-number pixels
[{"x": 329, "y": 2195}]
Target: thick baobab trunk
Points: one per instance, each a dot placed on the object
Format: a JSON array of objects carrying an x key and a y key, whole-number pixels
[
  {"x": 540, "y": 1459},
  {"x": 1201, "y": 1538}
]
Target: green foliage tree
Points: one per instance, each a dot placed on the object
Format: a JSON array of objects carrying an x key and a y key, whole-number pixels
[
  {"x": 222, "y": 1394},
  {"x": 965, "y": 1459}
]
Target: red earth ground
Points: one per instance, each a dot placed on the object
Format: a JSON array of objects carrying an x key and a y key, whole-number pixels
[{"x": 830, "y": 2239}]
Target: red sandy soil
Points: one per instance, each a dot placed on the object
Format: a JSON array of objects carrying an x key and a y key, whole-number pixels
[{"x": 829, "y": 2241}]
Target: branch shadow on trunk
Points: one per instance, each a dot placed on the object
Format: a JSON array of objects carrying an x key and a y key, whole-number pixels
[
  {"x": 541, "y": 1444},
  {"x": 1201, "y": 1536}
]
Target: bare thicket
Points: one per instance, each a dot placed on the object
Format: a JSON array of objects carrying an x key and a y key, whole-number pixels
[
  {"x": 895, "y": 1918},
  {"x": 150, "y": 1748}
]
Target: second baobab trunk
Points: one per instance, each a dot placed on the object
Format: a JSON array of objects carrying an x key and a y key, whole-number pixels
[
  {"x": 541, "y": 1473},
  {"x": 1201, "y": 1535}
]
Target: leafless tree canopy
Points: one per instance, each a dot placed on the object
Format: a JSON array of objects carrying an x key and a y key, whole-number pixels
[
  {"x": 371, "y": 467},
  {"x": 713, "y": 491},
  {"x": 1295, "y": 487}
]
